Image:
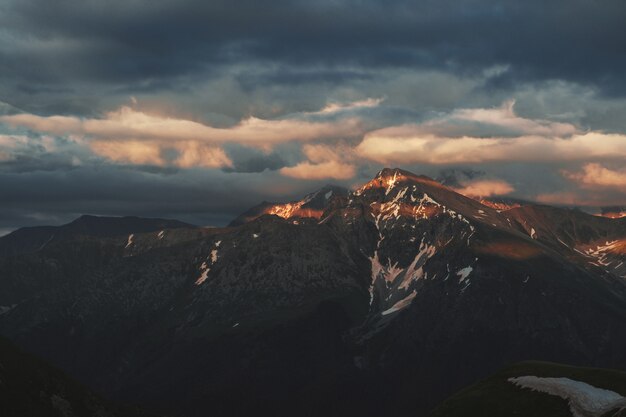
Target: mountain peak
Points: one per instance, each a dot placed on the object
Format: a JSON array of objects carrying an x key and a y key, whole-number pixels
[
  {"x": 388, "y": 178},
  {"x": 399, "y": 172},
  {"x": 312, "y": 205},
  {"x": 389, "y": 172}
]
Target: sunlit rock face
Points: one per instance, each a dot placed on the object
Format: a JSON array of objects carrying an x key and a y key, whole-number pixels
[
  {"x": 389, "y": 289},
  {"x": 499, "y": 204},
  {"x": 311, "y": 206},
  {"x": 613, "y": 212}
]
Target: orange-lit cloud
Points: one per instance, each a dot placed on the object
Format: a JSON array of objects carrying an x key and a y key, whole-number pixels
[
  {"x": 488, "y": 135},
  {"x": 187, "y": 153},
  {"x": 130, "y": 123},
  {"x": 323, "y": 162},
  {"x": 133, "y": 152},
  {"x": 197, "y": 154},
  {"x": 485, "y": 188},
  {"x": 465, "y": 136},
  {"x": 401, "y": 145},
  {"x": 596, "y": 175},
  {"x": 131, "y": 136},
  {"x": 504, "y": 117},
  {"x": 320, "y": 153},
  {"x": 331, "y": 169}
]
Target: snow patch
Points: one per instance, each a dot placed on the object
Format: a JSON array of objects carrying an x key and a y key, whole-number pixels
[
  {"x": 6, "y": 309},
  {"x": 415, "y": 271},
  {"x": 255, "y": 235},
  {"x": 47, "y": 241},
  {"x": 562, "y": 243},
  {"x": 602, "y": 254},
  {"x": 160, "y": 235},
  {"x": 584, "y": 400},
  {"x": 390, "y": 182},
  {"x": 204, "y": 268},
  {"x": 328, "y": 194},
  {"x": 533, "y": 234},
  {"x": 464, "y": 273},
  {"x": 130, "y": 240},
  {"x": 427, "y": 199},
  {"x": 400, "y": 305},
  {"x": 376, "y": 269}
]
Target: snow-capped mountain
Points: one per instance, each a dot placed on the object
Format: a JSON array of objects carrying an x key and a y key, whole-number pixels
[{"x": 382, "y": 301}]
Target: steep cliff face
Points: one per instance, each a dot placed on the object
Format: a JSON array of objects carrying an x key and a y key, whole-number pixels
[{"x": 385, "y": 300}]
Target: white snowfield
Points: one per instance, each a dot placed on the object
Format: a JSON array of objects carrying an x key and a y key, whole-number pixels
[{"x": 584, "y": 400}]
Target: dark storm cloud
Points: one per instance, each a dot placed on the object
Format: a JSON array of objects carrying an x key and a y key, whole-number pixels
[
  {"x": 199, "y": 197},
  {"x": 30, "y": 163},
  {"x": 251, "y": 80},
  {"x": 52, "y": 48},
  {"x": 218, "y": 62},
  {"x": 454, "y": 177},
  {"x": 247, "y": 160}
]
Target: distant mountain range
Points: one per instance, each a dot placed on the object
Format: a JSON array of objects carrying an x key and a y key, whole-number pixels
[
  {"x": 33, "y": 239},
  {"x": 381, "y": 301}
]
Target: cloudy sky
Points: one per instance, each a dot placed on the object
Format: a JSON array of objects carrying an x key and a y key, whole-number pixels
[{"x": 197, "y": 109}]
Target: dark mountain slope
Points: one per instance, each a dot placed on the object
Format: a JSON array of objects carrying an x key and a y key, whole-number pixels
[
  {"x": 593, "y": 242},
  {"x": 30, "y": 387},
  {"x": 396, "y": 296},
  {"x": 141, "y": 308},
  {"x": 32, "y": 239},
  {"x": 481, "y": 293}
]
